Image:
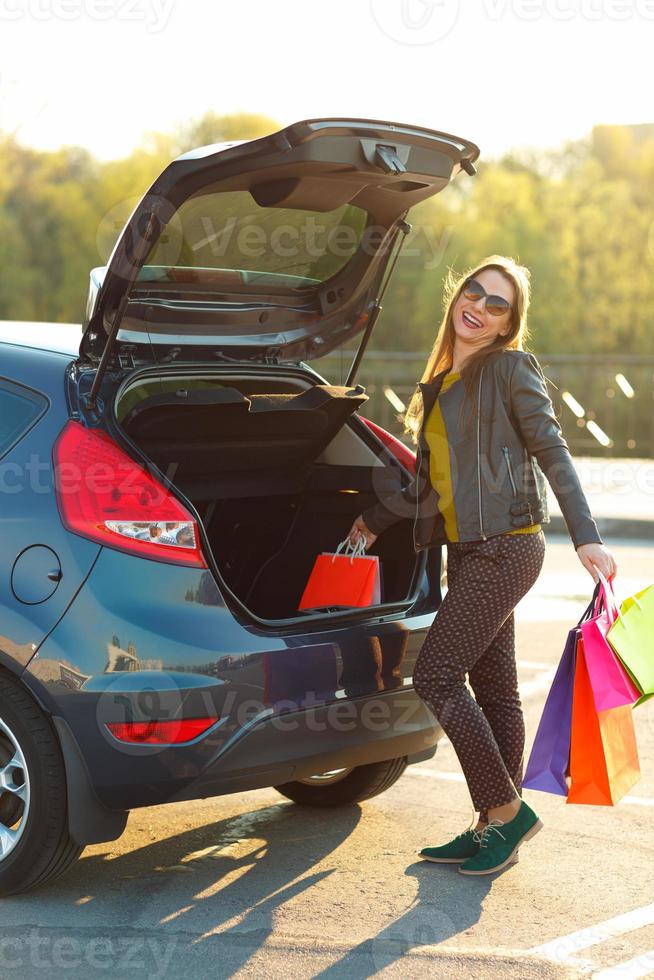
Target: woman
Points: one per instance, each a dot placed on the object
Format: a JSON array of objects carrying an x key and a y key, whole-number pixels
[{"x": 480, "y": 489}]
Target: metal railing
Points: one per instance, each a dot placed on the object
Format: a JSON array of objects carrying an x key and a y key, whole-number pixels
[{"x": 614, "y": 394}]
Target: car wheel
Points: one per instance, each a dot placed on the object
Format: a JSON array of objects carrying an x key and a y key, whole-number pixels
[
  {"x": 35, "y": 846},
  {"x": 339, "y": 787}
]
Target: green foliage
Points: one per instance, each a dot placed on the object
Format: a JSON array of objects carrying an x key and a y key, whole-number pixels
[
  {"x": 580, "y": 217},
  {"x": 212, "y": 128},
  {"x": 60, "y": 212}
]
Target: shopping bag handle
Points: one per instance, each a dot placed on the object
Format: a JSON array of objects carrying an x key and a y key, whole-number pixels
[
  {"x": 606, "y": 589},
  {"x": 358, "y": 549},
  {"x": 588, "y": 611},
  {"x": 605, "y": 599}
]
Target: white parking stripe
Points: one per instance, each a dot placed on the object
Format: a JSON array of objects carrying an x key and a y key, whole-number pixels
[
  {"x": 640, "y": 966},
  {"x": 455, "y": 777},
  {"x": 541, "y": 682},
  {"x": 562, "y": 949},
  {"x": 458, "y": 777},
  {"x": 638, "y": 800}
]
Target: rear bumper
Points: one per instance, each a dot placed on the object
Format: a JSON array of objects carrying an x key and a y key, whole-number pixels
[
  {"x": 268, "y": 752},
  {"x": 302, "y": 743}
]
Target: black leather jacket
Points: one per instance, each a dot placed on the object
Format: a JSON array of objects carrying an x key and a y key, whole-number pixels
[{"x": 498, "y": 465}]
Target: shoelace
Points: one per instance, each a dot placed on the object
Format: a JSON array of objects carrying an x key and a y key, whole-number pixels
[{"x": 482, "y": 838}]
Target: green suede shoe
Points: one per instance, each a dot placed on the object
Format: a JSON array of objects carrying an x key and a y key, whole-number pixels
[
  {"x": 498, "y": 847},
  {"x": 464, "y": 845}
]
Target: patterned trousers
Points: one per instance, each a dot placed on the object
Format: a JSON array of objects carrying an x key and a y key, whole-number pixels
[{"x": 473, "y": 632}]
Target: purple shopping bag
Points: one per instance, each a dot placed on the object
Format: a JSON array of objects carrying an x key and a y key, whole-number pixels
[{"x": 548, "y": 762}]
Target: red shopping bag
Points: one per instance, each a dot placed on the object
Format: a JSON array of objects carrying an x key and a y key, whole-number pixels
[
  {"x": 604, "y": 763},
  {"x": 343, "y": 580}
]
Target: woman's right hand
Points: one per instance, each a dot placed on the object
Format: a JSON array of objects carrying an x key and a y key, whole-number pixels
[{"x": 360, "y": 528}]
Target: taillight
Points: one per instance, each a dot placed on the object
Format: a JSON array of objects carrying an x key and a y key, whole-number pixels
[
  {"x": 399, "y": 450},
  {"x": 103, "y": 494},
  {"x": 161, "y": 732}
]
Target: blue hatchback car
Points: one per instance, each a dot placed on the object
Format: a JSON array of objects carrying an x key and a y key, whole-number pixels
[{"x": 169, "y": 474}]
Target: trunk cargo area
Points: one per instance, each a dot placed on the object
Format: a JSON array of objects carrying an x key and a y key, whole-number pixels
[{"x": 277, "y": 471}]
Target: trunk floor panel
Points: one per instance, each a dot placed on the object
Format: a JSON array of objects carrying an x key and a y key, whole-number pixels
[{"x": 266, "y": 554}]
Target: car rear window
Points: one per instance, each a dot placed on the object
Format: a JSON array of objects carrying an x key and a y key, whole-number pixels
[
  {"x": 263, "y": 246},
  {"x": 19, "y": 409}
]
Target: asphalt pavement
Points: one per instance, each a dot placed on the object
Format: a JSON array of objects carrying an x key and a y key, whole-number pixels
[
  {"x": 251, "y": 884},
  {"x": 620, "y": 494}
]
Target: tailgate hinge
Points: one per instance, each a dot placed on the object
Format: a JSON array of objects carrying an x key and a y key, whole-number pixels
[
  {"x": 126, "y": 356},
  {"x": 271, "y": 355}
]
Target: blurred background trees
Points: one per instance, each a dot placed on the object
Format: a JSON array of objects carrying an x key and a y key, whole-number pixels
[{"x": 580, "y": 217}]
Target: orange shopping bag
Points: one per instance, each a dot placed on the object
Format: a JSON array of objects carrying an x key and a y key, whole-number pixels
[
  {"x": 343, "y": 580},
  {"x": 604, "y": 761}
]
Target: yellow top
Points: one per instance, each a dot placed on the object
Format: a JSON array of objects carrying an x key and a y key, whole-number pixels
[{"x": 439, "y": 466}]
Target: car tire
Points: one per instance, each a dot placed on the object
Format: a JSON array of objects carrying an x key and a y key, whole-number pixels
[
  {"x": 35, "y": 846},
  {"x": 344, "y": 786}
]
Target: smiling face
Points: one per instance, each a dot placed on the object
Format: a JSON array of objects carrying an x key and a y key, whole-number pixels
[{"x": 471, "y": 337}]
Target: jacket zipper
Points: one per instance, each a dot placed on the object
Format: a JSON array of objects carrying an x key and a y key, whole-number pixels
[
  {"x": 415, "y": 519},
  {"x": 481, "y": 523},
  {"x": 505, "y": 450}
]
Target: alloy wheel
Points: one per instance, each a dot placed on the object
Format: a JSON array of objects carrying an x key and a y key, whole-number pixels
[
  {"x": 14, "y": 791},
  {"x": 325, "y": 778}
]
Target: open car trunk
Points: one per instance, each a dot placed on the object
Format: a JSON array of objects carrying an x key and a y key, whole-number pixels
[{"x": 278, "y": 468}]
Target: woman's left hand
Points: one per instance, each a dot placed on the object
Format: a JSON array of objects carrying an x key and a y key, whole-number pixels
[{"x": 594, "y": 556}]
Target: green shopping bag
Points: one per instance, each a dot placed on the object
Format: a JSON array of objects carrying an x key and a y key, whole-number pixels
[{"x": 632, "y": 638}]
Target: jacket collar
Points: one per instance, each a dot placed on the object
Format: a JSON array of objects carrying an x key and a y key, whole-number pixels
[
  {"x": 435, "y": 382},
  {"x": 429, "y": 390}
]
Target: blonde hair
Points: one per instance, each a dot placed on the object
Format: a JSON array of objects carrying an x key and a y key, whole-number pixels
[{"x": 442, "y": 352}]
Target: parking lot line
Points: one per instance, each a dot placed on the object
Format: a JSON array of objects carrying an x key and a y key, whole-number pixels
[
  {"x": 455, "y": 777},
  {"x": 638, "y": 800},
  {"x": 564, "y": 948},
  {"x": 458, "y": 777},
  {"x": 640, "y": 966},
  {"x": 541, "y": 682}
]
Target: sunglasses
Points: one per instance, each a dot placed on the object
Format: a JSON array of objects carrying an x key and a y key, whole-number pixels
[{"x": 474, "y": 291}]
